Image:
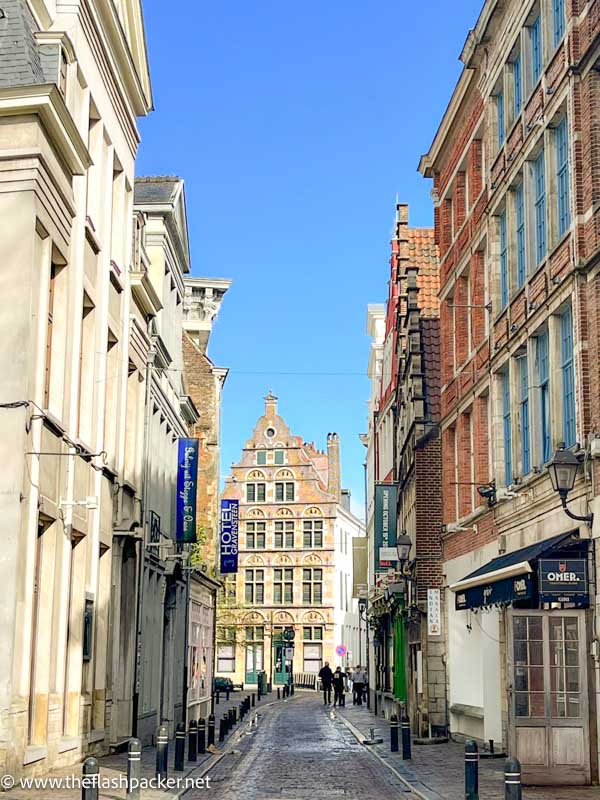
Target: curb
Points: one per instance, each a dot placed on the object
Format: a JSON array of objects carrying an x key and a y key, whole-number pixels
[{"x": 410, "y": 786}]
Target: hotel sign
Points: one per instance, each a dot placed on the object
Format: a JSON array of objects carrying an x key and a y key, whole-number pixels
[
  {"x": 230, "y": 514},
  {"x": 386, "y": 502}
]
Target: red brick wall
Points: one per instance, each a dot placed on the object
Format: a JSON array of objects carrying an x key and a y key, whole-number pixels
[{"x": 428, "y": 476}]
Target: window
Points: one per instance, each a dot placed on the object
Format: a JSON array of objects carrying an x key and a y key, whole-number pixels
[
  {"x": 562, "y": 177},
  {"x": 520, "y": 221},
  {"x": 284, "y": 492},
  {"x": 313, "y": 649},
  {"x": 506, "y": 418},
  {"x": 524, "y": 403},
  {"x": 283, "y": 586},
  {"x": 255, "y": 492},
  {"x": 535, "y": 36},
  {"x": 313, "y": 533},
  {"x": 51, "y": 297},
  {"x": 261, "y": 458},
  {"x": 500, "y": 117},
  {"x": 312, "y": 586},
  {"x": 503, "y": 260},
  {"x": 543, "y": 378},
  {"x": 568, "y": 379},
  {"x": 310, "y": 633},
  {"x": 279, "y": 457},
  {"x": 226, "y": 650},
  {"x": 255, "y": 535},
  {"x": 539, "y": 177},
  {"x": 88, "y": 625},
  {"x": 517, "y": 86},
  {"x": 284, "y": 534},
  {"x": 255, "y": 586},
  {"x": 559, "y": 20}
]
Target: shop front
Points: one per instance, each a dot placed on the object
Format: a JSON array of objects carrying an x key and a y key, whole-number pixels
[{"x": 544, "y": 593}]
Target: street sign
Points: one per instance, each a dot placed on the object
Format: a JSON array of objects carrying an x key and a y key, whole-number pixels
[
  {"x": 187, "y": 482},
  {"x": 230, "y": 512},
  {"x": 289, "y": 653},
  {"x": 341, "y": 650}
]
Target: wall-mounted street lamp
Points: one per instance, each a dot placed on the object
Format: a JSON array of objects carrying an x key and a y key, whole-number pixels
[
  {"x": 563, "y": 471},
  {"x": 403, "y": 545}
]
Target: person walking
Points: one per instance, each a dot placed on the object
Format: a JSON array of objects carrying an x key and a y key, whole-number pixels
[
  {"x": 358, "y": 687},
  {"x": 326, "y": 676},
  {"x": 339, "y": 679}
]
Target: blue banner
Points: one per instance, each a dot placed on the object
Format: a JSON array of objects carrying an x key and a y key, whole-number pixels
[
  {"x": 230, "y": 514},
  {"x": 187, "y": 482}
]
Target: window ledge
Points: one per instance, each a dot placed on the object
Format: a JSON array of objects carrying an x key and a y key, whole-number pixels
[
  {"x": 34, "y": 753},
  {"x": 68, "y": 743},
  {"x": 96, "y": 736}
]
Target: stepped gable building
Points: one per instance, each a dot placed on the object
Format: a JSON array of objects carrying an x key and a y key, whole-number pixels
[{"x": 295, "y": 558}]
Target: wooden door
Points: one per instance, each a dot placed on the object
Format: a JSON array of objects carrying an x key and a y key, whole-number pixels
[{"x": 548, "y": 692}]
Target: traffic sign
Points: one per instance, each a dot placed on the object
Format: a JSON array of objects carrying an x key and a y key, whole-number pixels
[{"x": 341, "y": 650}]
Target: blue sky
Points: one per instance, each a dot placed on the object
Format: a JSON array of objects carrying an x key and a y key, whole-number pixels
[{"x": 295, "y": 125}]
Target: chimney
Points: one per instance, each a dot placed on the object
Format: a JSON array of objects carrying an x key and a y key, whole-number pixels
[
  {"x": 334, "y": 478},
  {"x": 270, "y": 406},
  {"x": 346, "y": 498}
]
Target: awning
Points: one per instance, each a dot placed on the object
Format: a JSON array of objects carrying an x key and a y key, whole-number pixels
[{"x": 506, "y": 578}]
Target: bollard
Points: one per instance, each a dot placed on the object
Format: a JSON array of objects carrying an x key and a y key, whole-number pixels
[
  {"x": 292, "y": 688},
  {"x": 179, "y": 747},
  {"x": 222, "y": 729},
  {"x": 202, "y": 735},
  {"x": 162, "y": 752},
  {"x": 278, "y": 693},
  {"x": 234, "y": 716},
  {"x": 211, "y": 730},
  {"x": 253, "y": 699},
  {"x": 227, "y": 695},
  {"x": 134, "y": 758},
  {"x": 90, "y": 780},
  {"x": 406, "y": 740},
  {"x": 471, "y": 770},
  {"x": 217, "y": 697},
  {"x": 193, "y": 740},
  {"x": 242, "y": 710},
  {"x": 512, "y": 779},
  {"x": 394, "y": 734}
]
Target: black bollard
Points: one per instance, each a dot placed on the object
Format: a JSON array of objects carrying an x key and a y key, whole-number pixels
[
  {"x": 211, "y": 730},
  {"x": 253, "y": 699},
  {"x": 162, "y": 752},
  {"x": 406, "y": 742},
  {"x": 193, "y": 740},
  {"x": 234, "y": 716},
  {"x": 394, "y": 734},
  {"x": 90, "y": 779},
  {"x": 512, "y": 779},
  {"x": 278, "y": 693},
  {"x": 217, "y": 697},
  {"x": 202, "y": 735},
  {"x": 291, "y": 688},
  {"x": 242, "y": 710},
  {"x": 134, "y": 765},
  {"x": 179, "y": 747},
  {"x": 222, "y": 729},
  {"x": 471, "y": 770},
  {"x": 227, "y": 695}
]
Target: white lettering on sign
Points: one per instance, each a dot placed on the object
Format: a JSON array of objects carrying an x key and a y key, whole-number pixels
[
  {"x": 434, "y": 612},
  {"x": 520, "y": 585},
  {"x": 563, "y": 577}
]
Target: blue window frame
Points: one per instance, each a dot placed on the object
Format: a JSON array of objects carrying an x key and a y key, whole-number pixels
[
  {"x": 543, "y": 370},
  {"x": 524, "y": 402},
  {"x": 559, "y": 20},
  {"x": 535, "y": 35},
  {"x": 539, "y": 177},
  {"x": 503, "y": 260},
  {"x": 507, "y": 428},
  {"x": 500, "y": 112},
  {"x": 517, "y": 86},
  {"x": 520, "y": 220},
  {"x": 568, "y": 378},
  {"x": 562, "y": 176}
]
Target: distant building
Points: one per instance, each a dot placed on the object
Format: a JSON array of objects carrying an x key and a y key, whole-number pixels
[{"x": 295, "y": 559}]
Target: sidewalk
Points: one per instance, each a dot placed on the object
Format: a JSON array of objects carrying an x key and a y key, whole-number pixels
[
  {"x": 113, "y": 768},
  {"x": 436, "y": 772}
]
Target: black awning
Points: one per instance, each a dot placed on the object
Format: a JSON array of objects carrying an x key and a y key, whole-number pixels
[{"x": 508, "y": 577}]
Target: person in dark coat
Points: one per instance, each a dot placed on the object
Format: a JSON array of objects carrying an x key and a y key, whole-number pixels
[
  {"x": 326, "y": 676},
  {"x": 339, "y": 684}
]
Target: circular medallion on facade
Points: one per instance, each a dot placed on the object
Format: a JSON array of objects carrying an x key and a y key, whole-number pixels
[{"x": 270, "y": 432}]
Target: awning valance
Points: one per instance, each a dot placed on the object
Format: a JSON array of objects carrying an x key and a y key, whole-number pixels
[{"x": 506, "y": 578}]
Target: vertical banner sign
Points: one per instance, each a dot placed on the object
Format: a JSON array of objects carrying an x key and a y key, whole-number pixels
[
  {"x": 230, "y": 513},
  {"x": 386, "y": 503},
  {"x": 187, "y": 482},
  {"x": 434, "y": 612}
]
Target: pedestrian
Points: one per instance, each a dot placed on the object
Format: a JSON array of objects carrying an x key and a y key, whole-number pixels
[
  {"x": 339, "y": 678},
  {"x": 358, "y": 687},
  {"x": 326, "y": 676}
]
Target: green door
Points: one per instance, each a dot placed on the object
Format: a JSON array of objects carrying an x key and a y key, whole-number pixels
[
  {"x": 254, "y": 662},
  {"x": 279, "y": 669}
]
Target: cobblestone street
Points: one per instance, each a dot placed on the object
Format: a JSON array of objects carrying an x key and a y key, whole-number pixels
[{"x": 298, "y": 751}]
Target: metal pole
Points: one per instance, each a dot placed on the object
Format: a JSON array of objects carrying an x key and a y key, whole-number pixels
[
  {"x": 162, "y": 752},
  {"x": 193, "y": 739},
  {"x": 394, "y": 735},
  {"x": 202, "y": 736},
  {"x": 253, "y": 699},
  {"x": 134, "y": 765},
  {"x": 90, "y": 780},
  {"x": 512, "y": 779},
  {"x": 179, "y": 747},
  {"x": 471, "y": 770},
  {"x": 211, "y": 730},
  {"x": 222, "y": 728},
  {"x": 406, "y": 743}
]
